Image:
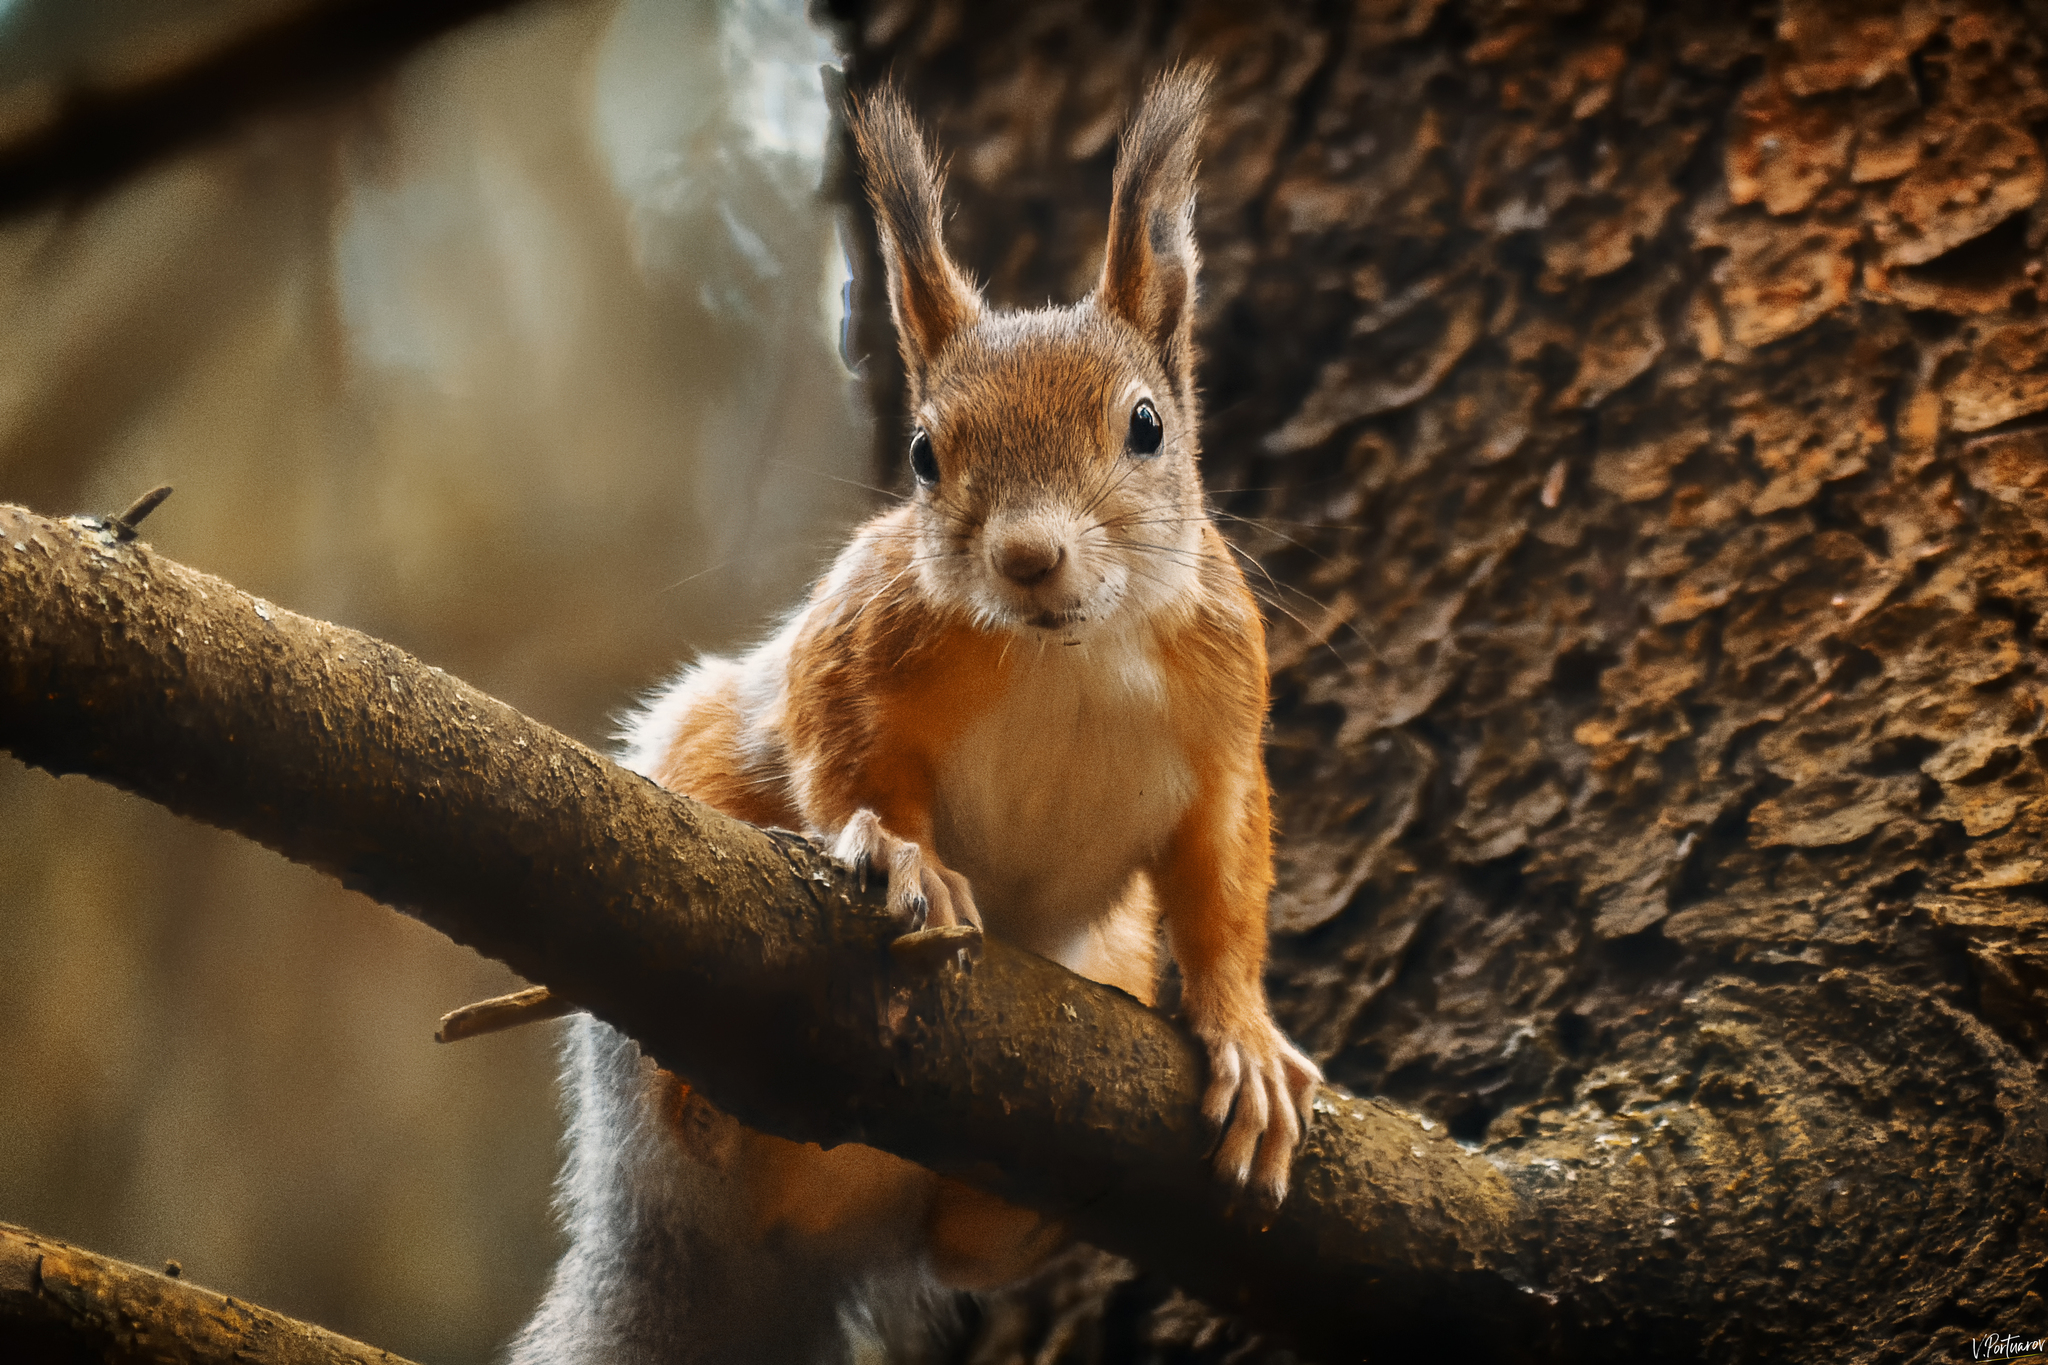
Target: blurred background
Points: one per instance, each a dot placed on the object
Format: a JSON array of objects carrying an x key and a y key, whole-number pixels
[{"x": 528, "y": 361}]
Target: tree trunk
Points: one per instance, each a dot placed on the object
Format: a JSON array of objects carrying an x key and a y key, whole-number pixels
[{"x": 1632, "y": 412}]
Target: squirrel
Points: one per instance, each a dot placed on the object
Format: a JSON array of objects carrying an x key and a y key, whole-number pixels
[{"x": 1033, "y": 697}]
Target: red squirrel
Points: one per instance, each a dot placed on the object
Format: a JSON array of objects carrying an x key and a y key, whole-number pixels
[{"x": 1032, "y": 696}]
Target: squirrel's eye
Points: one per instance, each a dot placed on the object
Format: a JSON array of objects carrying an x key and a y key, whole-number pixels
[
  {"x": 923, "y": 463},
  {"x": 1146, "y": 429}
]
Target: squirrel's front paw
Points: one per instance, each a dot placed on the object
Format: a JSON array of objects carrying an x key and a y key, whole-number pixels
[
  {"x": 1261, "y": 1087},
  {"x": 923, "y": 892}
]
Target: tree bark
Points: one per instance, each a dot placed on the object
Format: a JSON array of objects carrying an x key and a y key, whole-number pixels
[
  {"x": 60, "y": 1305},
  {"x": 1637, "y": 411},
  {"x": 742, "y": 959}
]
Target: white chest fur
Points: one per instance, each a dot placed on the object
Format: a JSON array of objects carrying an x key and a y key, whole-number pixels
[{"x": 1056, "y": 795}]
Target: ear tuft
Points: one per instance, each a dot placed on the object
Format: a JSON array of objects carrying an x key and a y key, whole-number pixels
[
  {"x": 1148, "y": 275},
  {"x": 929, "y": 296}
]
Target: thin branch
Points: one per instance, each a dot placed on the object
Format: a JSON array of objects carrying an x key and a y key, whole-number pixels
[
  {"x": 740, "y": 958},
  {"x": 59, "y": 1303},
  {"x": 125, "y": 525},
  {"x": 500, "y": 1012}
]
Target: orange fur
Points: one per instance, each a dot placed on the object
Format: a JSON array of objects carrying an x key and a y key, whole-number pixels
[
  {"x": 881, "y": 682},
  {"x": 978, "y": 1241},
  {"x": 1044, "y": 671},
  {"x": 1215, "y": 876},
  {"x": 706, "y": 759}
]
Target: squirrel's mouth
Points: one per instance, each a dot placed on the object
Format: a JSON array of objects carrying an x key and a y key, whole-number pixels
[{"x": 1058, "y": 620}]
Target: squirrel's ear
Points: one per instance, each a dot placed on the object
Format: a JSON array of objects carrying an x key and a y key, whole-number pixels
[
  {"x": 1148, "y": 276},
  {"x": 928, "y": 295}
]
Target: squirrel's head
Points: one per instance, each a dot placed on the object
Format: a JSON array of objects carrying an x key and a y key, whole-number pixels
[{"x": 1053, "y": 449}]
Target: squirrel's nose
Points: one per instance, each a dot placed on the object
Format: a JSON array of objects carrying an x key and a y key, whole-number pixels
[{"x": 1028, "y": 560}]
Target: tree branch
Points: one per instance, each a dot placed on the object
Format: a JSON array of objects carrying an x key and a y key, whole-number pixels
[
  {"x": 95, "y": 135},
  {"x": 61, "y": 1304},
  {"x": 690, "y": 930},
  {"x": 530, "y": 1006}
]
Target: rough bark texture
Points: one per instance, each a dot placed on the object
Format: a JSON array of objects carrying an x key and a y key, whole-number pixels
[
  {"x": 742, "y": 959},
  {"x": 1636, "y": 408},
  {"x": 60, "y": 1305}
]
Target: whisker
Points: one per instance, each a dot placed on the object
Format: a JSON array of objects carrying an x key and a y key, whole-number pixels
[
  {"x": 872, "y": 600},
  {"x": 1270, "y": 599},
  {"x": 850, "y": 483},
  {"x": 1101, "y": 490},
  {"x": 851, "y": 588},
  {"x": 1151, "y": 577},
  {"x": 1100, "y": 498},
  {"x": 1274, "y": 602},
  {"x": 763, "y": 553},
  {"x": 692, "y": 578},
  {"x": 1247, "y": 521},
  {"x": 1283, "y": 521},
  {"x": 1122, "y": 523}
]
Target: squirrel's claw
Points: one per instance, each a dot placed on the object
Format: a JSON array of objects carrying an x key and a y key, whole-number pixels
[
  {"x": 924, "y": 894},
  {"x": 1259, "y": 1096}
]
